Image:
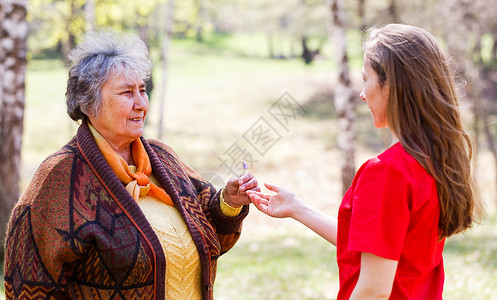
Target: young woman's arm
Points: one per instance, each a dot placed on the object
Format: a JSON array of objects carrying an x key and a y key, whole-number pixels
[
  {"x": 285, "y": 204},
  {"x": 375, "y": 278}
]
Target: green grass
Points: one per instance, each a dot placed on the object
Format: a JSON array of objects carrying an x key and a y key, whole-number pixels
[
  {"x": 216, "y": 91},
  {"x": 2, "y": 288},
  {"x": 288, "y": 266},
  {"x": 299, "y": 265},
  {"x": 471, "y": 263}
]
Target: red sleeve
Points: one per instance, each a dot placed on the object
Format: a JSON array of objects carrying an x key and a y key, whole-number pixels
[{"x": 380, "y": 210}]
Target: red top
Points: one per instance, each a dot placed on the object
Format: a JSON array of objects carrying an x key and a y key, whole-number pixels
[{"x": 391, "y": 210}]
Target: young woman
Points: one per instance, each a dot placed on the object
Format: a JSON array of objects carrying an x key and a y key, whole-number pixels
[{"x": 393, "y": 220}]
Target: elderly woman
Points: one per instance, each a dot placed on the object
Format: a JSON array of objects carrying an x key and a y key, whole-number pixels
[{"x": 112, "y": 215}]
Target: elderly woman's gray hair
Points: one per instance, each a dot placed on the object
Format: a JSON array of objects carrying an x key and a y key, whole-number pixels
[{"x": 99, "y": 56}]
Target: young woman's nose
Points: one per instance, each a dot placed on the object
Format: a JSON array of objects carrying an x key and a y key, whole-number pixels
[{"x": 362, "y": 96}]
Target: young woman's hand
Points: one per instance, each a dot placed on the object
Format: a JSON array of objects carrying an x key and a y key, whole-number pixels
[{"x": 283, "y": 204}]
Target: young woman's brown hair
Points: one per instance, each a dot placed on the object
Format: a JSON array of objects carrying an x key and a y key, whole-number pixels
[{"x": 423, "y": 112}]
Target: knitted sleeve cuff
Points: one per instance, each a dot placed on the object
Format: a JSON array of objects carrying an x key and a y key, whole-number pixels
[
  {"x": 227, "y": 209},
  {"x": 225, "y": 224}
]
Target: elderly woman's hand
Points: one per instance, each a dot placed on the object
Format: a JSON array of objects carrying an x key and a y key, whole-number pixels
[{"x": 234, "y": 193}]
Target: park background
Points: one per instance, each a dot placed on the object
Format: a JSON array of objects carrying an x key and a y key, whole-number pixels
[{"x": 223, "y": 68}]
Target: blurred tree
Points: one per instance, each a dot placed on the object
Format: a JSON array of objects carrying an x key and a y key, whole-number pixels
[
  {"x": 13, "y": 35},
  {"x": 143, "y": 33},
  {"x": 475, "y": 21},
  {"x": 89, "y": 15},
  {"x": 457, "y": 24},
  {"x": 308, "y": 54},
  {"x": 187, "y": 18},
  {"x": 309, "y": 21},
  {"x": 166, "y": 41},
  {"x": 142, "y": 22},
  {"x": 361, "y": 6},
  {"x": 298, "y": 22},
  {"x": 493, "y": 55},
  {"x": 200, "y": 20},
  {"x": 481, "y": 20},
  {"x": 68, "y": 20},
  {"x": 226, "y": 15},
  {"x": 393, "y": 12},
  {"x": 343, "y": 95},
  {"x": 59, "y": 29},
  {"x": 68, "y": 41},
  {"x": 276, "y": 19}
]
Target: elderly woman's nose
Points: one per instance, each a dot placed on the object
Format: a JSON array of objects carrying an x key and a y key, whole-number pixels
[{"x": 141, "y": 101}]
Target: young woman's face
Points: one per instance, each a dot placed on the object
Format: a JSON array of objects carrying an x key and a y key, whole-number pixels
[{"x": 375, "y": 96}]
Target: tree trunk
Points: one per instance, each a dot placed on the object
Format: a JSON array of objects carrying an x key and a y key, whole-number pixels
[
  {"x": 361, "y": 5},
  {"x": 293, "y": 51},
  {"x": 166, "y": 42},
  {"x": 70, "y": 41},
  {"x": 13, "y": 35},
  {"x": 343, "y": 100},
  {"x": 392, "y": 11},
  {"x": 493, "y": 57},
  {"x": 90, "y": 15},
  {"x": 143, "y": 33},
  {"x": 480, "y": 110},
  {"x": 270, "y": 44},
  {"x": 491, "y": 143},
  {"x": 306, "y": 52},
  {"x": 199, "y": 27}
]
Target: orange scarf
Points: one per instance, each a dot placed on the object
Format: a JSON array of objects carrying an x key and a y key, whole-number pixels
[{"x": 137, "y": 184}]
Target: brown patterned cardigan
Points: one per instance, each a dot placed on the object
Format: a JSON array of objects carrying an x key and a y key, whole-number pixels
[{"x": 77, "y": 233}]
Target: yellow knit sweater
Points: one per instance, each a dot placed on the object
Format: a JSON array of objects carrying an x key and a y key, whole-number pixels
[{"x": 183, "y": 270}]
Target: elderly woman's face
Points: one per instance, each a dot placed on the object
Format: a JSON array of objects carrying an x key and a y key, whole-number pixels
[{"x": 124, "y": 107}]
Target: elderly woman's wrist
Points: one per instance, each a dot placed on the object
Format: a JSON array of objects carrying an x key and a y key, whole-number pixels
[
  {"x": 227, "y": 208},
  {"x": 227, "y": 200}
]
